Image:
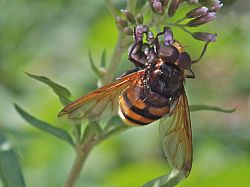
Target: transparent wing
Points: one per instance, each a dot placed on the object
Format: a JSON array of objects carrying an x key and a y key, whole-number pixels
[
  {"x": 176, "y": 135},
  {"x": 102, "y": 102}
]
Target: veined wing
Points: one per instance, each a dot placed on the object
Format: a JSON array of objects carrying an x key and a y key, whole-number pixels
[
  {"x": 176, "y": 135},
  {"x": 101, "y": 102}
]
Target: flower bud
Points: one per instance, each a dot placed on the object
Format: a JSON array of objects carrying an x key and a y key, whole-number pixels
[
  {"x": 202, "y": 19},
  {"x": 128, "y": 31},
  {"x": 121, "y": 22},
  {"x": 209, "y": 3},
  {"x": 156, "y": 6},
  {"x": 139, "y": 19},
  {"x": 216, "y": 8},
  {"x": 164, "y": 3},
  {"x": 192, "y": 1},
  {"x": 204, "y": 36},
  {"x": 130, "y": 17},
  {"x": 173, "y": 7},
  {"x": 197, "y": 12}
]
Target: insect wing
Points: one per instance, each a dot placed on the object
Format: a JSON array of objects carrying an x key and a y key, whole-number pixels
[
  {"x": 102, "y": 102},
  {"x": 176, "y": 136}
]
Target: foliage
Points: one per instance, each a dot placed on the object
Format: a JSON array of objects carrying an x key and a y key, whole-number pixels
[{"x": 89, "y": 135}]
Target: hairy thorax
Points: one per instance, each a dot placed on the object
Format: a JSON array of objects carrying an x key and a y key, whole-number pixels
[{"x": 165, "y": 79}]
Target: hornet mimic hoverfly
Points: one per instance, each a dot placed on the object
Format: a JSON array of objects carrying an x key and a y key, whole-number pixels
[{"x": 153, "y": 90}]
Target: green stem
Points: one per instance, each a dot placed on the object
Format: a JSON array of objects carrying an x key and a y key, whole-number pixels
[
  {"x": 115, "y": 131},
  {"x": 181, "y": 26},
  {"x": 111, "y": 8},
  {"x": 180, "y": 20},
  {"x": 116, "y": 58},
  {"x": 131, "y": 5},
  {"x": 82, "y": 152},
  {"x": 121, "y": 44}
]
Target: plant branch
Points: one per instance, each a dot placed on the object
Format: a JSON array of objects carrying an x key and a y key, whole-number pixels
[
  {"x": 131, "y": 5},
  {"x": 111, "y": 8},
  {"x": 82, "y": 153},
  {"x": 115, "y": 131},
  {"x": 116, "y": 58}
]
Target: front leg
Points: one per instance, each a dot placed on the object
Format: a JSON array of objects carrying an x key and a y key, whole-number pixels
[
  {"x": 136, "y": 53},
  {"x": 137, "y": 56},
  {"x": 128, "y": 72}
]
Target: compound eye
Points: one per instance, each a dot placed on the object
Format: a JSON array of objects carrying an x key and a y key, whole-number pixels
[
  {"x": 169, "y": 53},
  {"x": 184, "y": 60}
]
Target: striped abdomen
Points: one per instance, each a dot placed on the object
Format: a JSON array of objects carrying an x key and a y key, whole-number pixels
[{"x": 140, "y": 106}]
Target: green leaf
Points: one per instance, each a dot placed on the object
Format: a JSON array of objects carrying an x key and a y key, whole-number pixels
[
  {"x": 62, "y": 92},
  {"x": 195, "y": 108},
  {"x": 169, "y": 180},
  {"x": 113, "y": 126},
  {"x": 57, "y": 132},
  {"x": 92, "y": 130},
  {"x": 93, "y": 66},
  {"x": 10, "y": 171},
  {"x": 103, "y": 59}
]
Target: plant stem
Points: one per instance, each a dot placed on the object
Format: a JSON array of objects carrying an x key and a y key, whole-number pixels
[
  {"x": 116, "y": 58},
  {"x": 131, "y": 5},
  {"x": 111, "y": 8},
  {"x": 82, "y": 153}
]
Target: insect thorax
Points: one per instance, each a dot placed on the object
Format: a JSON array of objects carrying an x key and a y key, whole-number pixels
[{"x": 165, "y": 79}]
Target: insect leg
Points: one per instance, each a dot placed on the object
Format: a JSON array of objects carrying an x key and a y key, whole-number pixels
[
  {"x": 136, "y": 53},
  {"x": 168, "y": 36},
  {"x": 128, "y": 72},
  {"x": 137, "y": 56}
]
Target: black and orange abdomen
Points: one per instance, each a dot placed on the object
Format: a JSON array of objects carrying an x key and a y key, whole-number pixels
[{"x": 139, "y": 106}]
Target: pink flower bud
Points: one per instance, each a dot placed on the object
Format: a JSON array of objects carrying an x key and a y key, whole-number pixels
[
  {"x": 173, "y": 7},
  {"x": 121, "y": 22},
  {"x": 164, "y": 3},
  {"x": 128, "y": 31},
  {"x": 204, "y": 36},
  {"x": 197, "y": 12},
  {"x": 157, "y": 6},
  {"x": 216, "y": 8},
  {"x": 130, "y": 17},
  {"x": 139, "y": 19},
  {"x": 202, "y": 19}
]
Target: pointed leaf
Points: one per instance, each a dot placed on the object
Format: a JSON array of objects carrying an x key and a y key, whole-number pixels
[
  {"x": 103, "y": 59},
  {"x": 170, "y": 180},
  {"x": 93, "y": 66},
  {"x": 62, "y": 92},
  {"x": 92, "y": 130},
  {"x": 46, "y": 127},
  {"x": 194, "y": 108},
  {"x": 10, "y": 171},
  {"x": 114, "y": 126}
]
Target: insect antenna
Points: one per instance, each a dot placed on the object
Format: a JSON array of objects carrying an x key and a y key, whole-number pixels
[
  {"x": 202, "y": 53},
  {"x": 192, "y": 76}
]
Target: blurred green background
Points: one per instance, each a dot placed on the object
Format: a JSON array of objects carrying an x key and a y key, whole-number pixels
[{"x": 52, "y": 38}]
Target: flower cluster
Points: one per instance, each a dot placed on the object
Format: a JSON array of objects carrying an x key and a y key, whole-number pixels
[
  {"x": 204, "y": 12},
  {"x": 129, "y": 20},
  {"x": 159, "y": 6}
]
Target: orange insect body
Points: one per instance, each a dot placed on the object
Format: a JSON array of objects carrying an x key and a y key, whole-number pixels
[
  {"x": 144, "y": 102},
  {"x": 147, "y": 93}
]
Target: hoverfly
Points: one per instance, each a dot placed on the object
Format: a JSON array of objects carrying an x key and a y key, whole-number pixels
[{"x": 153, "y": 90}]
